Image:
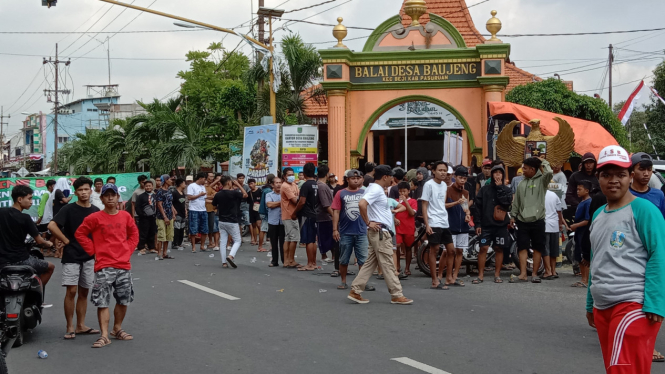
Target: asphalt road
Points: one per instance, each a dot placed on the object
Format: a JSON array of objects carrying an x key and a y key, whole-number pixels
[{"x": 488, "y": 328}]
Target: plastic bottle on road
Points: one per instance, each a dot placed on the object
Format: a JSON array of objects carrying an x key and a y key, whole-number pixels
[{"x": 42, "y": 354}]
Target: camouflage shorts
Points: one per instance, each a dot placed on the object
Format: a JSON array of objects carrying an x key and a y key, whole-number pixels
[{"x": 118, "y": 280}]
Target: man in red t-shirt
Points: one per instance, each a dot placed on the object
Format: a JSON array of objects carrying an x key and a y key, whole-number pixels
[
  {"x": 114, "y": 237},
  {"x": 405, "y": 225}
]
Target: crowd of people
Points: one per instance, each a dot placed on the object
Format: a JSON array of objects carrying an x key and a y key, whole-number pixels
[{"x": 613, "y": 205}]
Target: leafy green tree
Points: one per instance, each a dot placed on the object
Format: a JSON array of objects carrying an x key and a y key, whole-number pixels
[
  {"x": 655, "y": 111},
  {"x": 552, "y": 95},
  {"x": 638, "y": 141}
]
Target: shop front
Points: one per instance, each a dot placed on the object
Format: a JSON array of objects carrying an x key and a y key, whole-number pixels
[{"x": 417, "y": 92}]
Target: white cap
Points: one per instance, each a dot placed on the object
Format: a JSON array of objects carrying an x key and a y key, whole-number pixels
[
  {"x": 398, "y": 163},
  {"x": 614, "y": 155},
  {"x": 450, "y": 170}
]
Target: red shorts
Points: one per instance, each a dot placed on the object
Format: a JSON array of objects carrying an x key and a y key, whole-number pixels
[
  {"x": 406, "y": 239},
  {"x": 627, "y": 338}
]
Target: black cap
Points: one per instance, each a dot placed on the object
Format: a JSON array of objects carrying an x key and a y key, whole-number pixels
[
  {"x": 461, "y": 171},
  {"x": 639, "y": 157},
  {"x": 382, "y": 170},
  {"x": 353, "y": 173}
]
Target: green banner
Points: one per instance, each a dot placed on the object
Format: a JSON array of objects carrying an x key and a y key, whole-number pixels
[{"x": 126, "y": 183}]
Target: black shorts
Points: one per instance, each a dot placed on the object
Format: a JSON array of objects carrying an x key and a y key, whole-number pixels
[
  {"x": 440, "y": 236},
  {"x": 531, "y": 236},
  {"x": 42, "y": 227},
  {"x": 254, "y": 216},
  {"x": 495, "y": 237},
  {"x": 40, "y": 266}
]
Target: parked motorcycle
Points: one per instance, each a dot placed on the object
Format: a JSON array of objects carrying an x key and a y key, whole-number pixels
[
  {"x": 22, "y": 297},
  {"x": 469, "y": 256}
]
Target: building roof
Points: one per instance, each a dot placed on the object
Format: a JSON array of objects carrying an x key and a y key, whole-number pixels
[
  {"x": 315, "y": 107},
  {"x": 455, "y": 12}
]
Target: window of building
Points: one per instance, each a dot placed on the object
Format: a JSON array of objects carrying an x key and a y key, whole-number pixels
[
  {"x": 18, "y": 151},
  {"x": 63, "y": 139}
]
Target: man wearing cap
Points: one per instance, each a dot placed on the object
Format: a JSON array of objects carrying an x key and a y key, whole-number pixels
[
  {"x": 111, "y": 236},
  {"x": 457, "y": 206},
  {"x": 529, "y": 213},
  {"x": 349, "y": 229},
  {"x": 588, "y": 172},
  {"x": 377, "y": 216},
  {"x": 625, "y": 300},
  {"x": 165, "y": 214},
  {"x": 642, "y": 169}
]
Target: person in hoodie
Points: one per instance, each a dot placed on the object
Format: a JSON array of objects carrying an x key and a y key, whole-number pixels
[
  {"x": 588, "y": 173},
  {"x": 529, "y": 212},
  {"x": 490, "y": 227}
]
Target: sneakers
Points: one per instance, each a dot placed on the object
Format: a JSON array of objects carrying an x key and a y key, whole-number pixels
[
  {"x": 400, "y": 300},
  {"x": 357, "y": 298},
  {"x": 216, "y": 249}
]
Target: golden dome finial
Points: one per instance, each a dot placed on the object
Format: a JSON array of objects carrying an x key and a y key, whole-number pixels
[
  {"x": 339, "y": 32},
  {"x": 494, "y": 26},
  {"x": 415, "y": 9}
]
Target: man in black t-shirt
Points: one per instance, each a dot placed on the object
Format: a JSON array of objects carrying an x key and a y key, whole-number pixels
[
  {"x": 14, "y": 227},
  {"x": 307, "y": 207},
  {"x": 228, "y": 201},
  {"x": 78, "y": 267}
]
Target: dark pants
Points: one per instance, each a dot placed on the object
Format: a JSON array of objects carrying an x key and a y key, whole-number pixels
[
  {"x": 531, "y": 235},
  {"x": 147, "y": 232},
  {"x": 179, "y": 233},
  {"x": 277, "y": 235},
  {"x": 335, "y": 252}
]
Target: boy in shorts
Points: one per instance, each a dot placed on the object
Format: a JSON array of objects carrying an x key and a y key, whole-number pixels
[
  {"x": 457, "y": 205},
  {"x": 436, "y": 220},
  {"x": 491, "y": 231},
  {"x": 114, "y": 237},
  {"x": 405, "y": 226},
  {"x": 77, "y": 266},
  {"x": 553, "y": 223}
]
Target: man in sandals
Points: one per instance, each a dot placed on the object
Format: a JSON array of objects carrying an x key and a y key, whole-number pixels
[
  {"x": 349, "y": 229},
  {"x": 114, "y": 237},
  {"x": 78, "y": 271},
  {"x": 490, "y": 215},
  {"x": 375, "y": 211}
]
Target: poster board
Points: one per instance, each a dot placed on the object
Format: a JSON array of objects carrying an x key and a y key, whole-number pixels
[
  {"x": 260, "y": 152},
  {"x": 300, "y": 145}
]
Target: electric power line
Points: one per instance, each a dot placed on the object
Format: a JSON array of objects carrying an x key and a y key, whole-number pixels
[
  {"x": 617, "y": 85},
  {"x": 27, "y": 88},
  {"x": 91, "y": 26},
  {"x": 309, "y": 7},
  {"x": 100, "y": 32}
]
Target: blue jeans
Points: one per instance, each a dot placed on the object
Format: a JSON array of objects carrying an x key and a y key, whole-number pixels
[
  {"x": 350, "y": 243},
  {"x": 198, "y": 222}
]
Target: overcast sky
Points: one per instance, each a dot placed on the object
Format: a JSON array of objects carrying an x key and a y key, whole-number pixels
[{"x": 145, "y": 80}]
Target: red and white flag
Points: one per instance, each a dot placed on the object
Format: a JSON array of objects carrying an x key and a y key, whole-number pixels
[
  {"x": 653, "y": 90},
  {"x": 628, "y": 108}
]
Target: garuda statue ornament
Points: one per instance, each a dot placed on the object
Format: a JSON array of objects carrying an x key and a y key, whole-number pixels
[{"x": 556, "y": 149}]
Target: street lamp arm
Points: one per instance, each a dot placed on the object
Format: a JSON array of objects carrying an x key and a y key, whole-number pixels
[{"x": 184, "y": 20}]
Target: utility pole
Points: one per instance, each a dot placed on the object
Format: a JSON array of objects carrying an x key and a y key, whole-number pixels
[
  {"x": 108, "y": 56},
  {"x": 610, "y": 70},
  {"x": 2, "y": 135},
  {"x": 56, "y": 102},
  {"x": 262, "y": 38}
]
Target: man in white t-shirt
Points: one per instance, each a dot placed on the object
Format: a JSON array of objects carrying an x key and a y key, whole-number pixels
[
  {"x": 198, "y": 216},
  {"x": 435, "y": 216},
  {"x": 553, "y": 222},
  {"x": 375, "y": 212}
]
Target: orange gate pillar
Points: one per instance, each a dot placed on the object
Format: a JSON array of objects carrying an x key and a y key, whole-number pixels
[{"x": 337, "y": 131}]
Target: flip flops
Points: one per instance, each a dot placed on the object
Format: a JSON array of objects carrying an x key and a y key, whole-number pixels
[
  {"x": 578, "y": 285},
  {"x": 440, "y": 286},
  {"x": 477, "y": 281},
  {"x": 535, "y": 280}
]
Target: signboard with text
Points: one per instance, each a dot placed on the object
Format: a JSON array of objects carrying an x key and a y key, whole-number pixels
[
  {"x": 126, "y": 183},
  {"x": 300, "y": 145},
  {"x": 415, "y": 72},
  {"x": 260, "y": 152}
]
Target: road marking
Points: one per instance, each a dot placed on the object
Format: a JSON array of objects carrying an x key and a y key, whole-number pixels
[
  {"x": 419, "y": 365},
  {"x": 209, "y": 290}
]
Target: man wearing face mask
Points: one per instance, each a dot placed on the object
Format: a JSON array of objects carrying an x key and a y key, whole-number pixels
[{"x": 290, "y": 194}]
